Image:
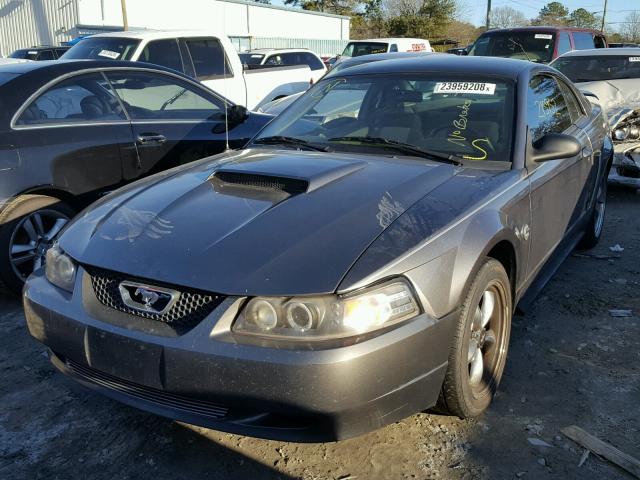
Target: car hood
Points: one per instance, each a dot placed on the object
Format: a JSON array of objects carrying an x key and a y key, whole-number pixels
[
  {"x": 255, "y": 222},
  {"x": 614, "y": 95}
]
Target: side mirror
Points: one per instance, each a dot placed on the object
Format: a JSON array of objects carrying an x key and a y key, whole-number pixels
[
  {"x": 555, "y": 146},
  {"x": 237, "y": 114},
  {"x": 464, "y": 52}
]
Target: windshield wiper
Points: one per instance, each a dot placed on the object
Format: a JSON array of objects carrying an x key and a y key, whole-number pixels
[
  {"x": 298, "y": 142},
  {"x": 519, "y": 45},
  {"x": 403, "y": 147}
]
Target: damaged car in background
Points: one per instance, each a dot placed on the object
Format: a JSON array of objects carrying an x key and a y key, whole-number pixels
[
  {"x": 358, "y": 262},
  {"x": 612, "y": 78}
]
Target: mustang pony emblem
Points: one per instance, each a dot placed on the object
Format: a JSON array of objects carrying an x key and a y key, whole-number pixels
[{"x": 146, "y": 298}]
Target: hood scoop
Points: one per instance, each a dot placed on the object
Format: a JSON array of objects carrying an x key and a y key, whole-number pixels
[
  {"x": 279, "y": 178},
  {"x": 248, "y": 180}
]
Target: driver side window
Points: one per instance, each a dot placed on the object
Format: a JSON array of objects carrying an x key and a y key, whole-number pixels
[
  {"x": 81, "y": 99},
  {"x": 547, "y": 110},
  {"x": 152, "y": 96}
]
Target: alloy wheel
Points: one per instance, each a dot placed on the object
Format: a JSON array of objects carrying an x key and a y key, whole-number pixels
[
  {"x": 32, "y": 238},
  {"x": 601, "y": 206},
  {"x": 487, "y": 344}
]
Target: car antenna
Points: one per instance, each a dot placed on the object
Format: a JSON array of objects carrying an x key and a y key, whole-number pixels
[{"x": 224, "y": 83}]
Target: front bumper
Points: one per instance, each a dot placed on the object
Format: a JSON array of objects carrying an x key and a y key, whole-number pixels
[{"x": 205, "y": 378}]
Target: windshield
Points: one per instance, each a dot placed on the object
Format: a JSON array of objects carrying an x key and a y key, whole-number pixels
[
  {"x": 25, "y": 54},
  {"x": 105, "y": 48},
  {"x": 436, "y": 112},
  {"x": 356, "y": 49},
  {"x": 251, "y": 58},
  {"x": 596, "y": 68},
  {"x": 537, "y": 47}
]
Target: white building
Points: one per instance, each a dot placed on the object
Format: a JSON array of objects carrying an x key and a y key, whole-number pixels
[{"x": 25, "y": 23}]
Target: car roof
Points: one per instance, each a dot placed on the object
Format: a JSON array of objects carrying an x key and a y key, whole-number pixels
[
  {"x": 55, "y": 68},
  {"x": 374, "y": 57},
  {"x": 272, "y": 50},
  {"x": 544, "y": 28},
  {"x": 156, "y": 34},
  {"x": 604, "y": 52},
  {"x": 504, "y": 67},
  {"x": 389, "y": 40}
]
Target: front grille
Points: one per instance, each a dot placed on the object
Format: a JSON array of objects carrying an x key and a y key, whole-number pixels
[
  {"x": 159, "y": 397},
  {"x": 189, "y": 310}
]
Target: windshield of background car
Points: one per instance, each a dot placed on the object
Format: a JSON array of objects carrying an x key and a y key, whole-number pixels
[
  {"x": 537, "y": 47},
  {"x": 106, "y": 48},
  {"x": 471, "y": 118},
  {"x": 25, "y": 54},
  {"x": 596, "y": 68},
  {"x": 355, "y": 49},
  {"x": 251, "y": 58}
]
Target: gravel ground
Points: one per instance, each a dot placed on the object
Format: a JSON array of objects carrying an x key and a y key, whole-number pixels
[{"x": 570, "y": 362}]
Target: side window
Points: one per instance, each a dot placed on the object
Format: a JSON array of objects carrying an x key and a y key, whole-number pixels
[
  {"x": 208, "y": 57},
  {"x": 564, "y": 44},
  {"x": 163, "y": 52},
  {"x": 292, "y": 59},
  {"x": 547, "y": 110},
  {"x": 274, "y": 60},
  {"x": 314, "y": 62},
  {"x": 60, "y": 52},
  {"x": 583, "y": 40},
  {"x": 600, "y": 42},
  {"x": 152, "y": 96},
  {"x": 393, "y": 48},
  {"x": 87, "y": 98},
  {"x": 572, "y": 102},
  {"x": 46, "y": 55}
]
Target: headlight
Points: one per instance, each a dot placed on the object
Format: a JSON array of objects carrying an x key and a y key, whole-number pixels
[
  {"x": 60, "y": 269},
  {"x": 620, "y": 133},
  {"x": 330, "y": 316}
]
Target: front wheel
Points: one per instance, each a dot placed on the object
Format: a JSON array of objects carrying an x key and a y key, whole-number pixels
[
  {"x": 28, "y": 226},
  {"x": 594, "y": 228},
  {"x": 479, "y": 351}
]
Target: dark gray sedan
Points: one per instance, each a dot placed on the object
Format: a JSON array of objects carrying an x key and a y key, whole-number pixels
[{"x": 359, "y": 262}]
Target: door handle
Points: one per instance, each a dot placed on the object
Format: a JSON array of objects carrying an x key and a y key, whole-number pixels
[
  {"x": 151, "y": 139},
  {"x": 587, "y": 152}
]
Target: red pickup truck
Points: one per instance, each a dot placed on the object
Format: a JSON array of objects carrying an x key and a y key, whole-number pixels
[{"x": 537, "y": 44}]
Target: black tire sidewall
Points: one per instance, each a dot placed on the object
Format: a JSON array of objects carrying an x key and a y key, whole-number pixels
[
  {"x": 10, "y": 218},
  {"x": 458, "y": 394}
]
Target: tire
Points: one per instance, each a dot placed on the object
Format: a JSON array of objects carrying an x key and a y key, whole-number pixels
[
  {"x": 593, "y": 232},
  {"x": 471, "y": 381},
  {"x": 28, "y": 226}
]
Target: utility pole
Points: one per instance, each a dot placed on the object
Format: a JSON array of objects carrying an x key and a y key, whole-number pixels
[
  {"x": 125, "y": 21},
  {"x": 488, "y": 13},
  {"x": 604, "y": 14}
]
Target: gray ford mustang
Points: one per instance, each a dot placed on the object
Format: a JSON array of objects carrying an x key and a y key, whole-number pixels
[{"x": 358, "y": 262}]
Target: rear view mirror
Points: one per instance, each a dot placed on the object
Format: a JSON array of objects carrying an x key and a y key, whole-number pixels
[{"x": 555, "y": 146}]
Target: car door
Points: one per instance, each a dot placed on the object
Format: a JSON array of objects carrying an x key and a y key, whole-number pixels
[
  {"x": 74, "y": 136},
  {"x": 557, "y": 186},
  {"x": 173, "y": 121}
]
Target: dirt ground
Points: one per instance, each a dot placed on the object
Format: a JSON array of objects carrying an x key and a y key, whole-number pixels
[{"x": 570, "y": 362}]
